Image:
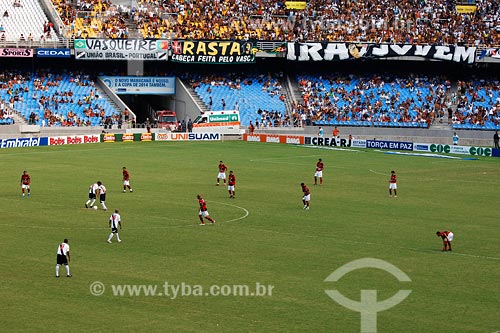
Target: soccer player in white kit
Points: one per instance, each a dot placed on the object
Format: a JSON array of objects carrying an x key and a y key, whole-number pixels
[
  {"x": 102, "y": 195},
  {"x": 63, "y": 257},
  {"x": 114, "y": 222},
  {"x": 92, "y": 195}
]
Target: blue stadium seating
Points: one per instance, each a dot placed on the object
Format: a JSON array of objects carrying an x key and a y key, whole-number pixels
[
  {"x": 483, "y": 103},
  {"x": 6, "y": 121},
  {"x": 80, "y": 92},
  {"x": 396, "y": 86},
  {"x": 250, "y": 98}
]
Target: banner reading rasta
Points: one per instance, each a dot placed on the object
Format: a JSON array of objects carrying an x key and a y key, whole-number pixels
[{"x": 217, "y": 52}]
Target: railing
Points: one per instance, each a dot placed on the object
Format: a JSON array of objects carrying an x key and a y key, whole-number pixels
[
  {"x": 268, "y": 46},
  {"x": 87, "y": 13},
  {"x": 261, "y": 45},
  {"x": 54, "y": 17},
  {"x": 465, "y": 2},
  {"x": 171, "y": 17},
  {"x": 267, "y": 16},
  {"x": 58, "y": 44}
]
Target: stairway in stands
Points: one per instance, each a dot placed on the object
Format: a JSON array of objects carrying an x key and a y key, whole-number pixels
[
  {"x": 129, "y": 22},
  {"x": 132, "y": 29},
  {"x": 292, "y": 93},
  {"x": 444, "y": 122},
  {"x": 103, "y": 94},
  {"x": 198, "y": 100},
  {"x": 286, "y": 90},
  {"x": 440, "y": 126},
  {"x": 18, "y": 119},
  {"x": 295, "y": 91}
]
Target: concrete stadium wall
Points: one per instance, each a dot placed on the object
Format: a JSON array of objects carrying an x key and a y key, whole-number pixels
[
  {"x": 185, "y": 105},
  {"x": 27, "y": 131},
  {"x": 467, "y": 138}
]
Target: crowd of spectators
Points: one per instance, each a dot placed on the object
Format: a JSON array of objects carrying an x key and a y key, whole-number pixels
[
  {"x": 370, "y": 21},
  {"x": 272, "y": 119},
  {"x": 50, "y": 105},
  {"x": 478, "y": 103},
  {"x": 5, "y": 113},
  {"x": 53, "y": 99},
  {"x": 94, "y": 18},
  {"x": 365, "y": 100}
]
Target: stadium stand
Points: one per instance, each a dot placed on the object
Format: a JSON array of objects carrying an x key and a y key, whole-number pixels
[
  {"x": 5, "y": 114},
  {"x": 381, "y": 21},
  {"x": 55, "y": 99},
  {"x": 478, "y": 105},
  {"x": 381, "y": 100},
  {"x": 386, "y": 21},
  {"x": 259, "y": 98},
  {"x": 378, "y": 100},
  {"x": 24, "y": 21},
  {"x": 94, "y": 19}
]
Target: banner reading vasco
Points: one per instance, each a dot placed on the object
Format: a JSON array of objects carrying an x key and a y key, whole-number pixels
[
  {"x": 215, "y": 52},
  {"x": 121, "y": 49},
  {"x": 349, "y": 51}
]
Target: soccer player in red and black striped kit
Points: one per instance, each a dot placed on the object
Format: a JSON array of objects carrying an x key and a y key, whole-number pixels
[
  {"x": 222, "y": 173},
  {"x": 306, "y": 197},
  {"x": 447, "y": 237},
  {"x": 231, "y": 184},
  {"x": 25, "y": 183},
  {"x": 126, "y": 180},
  {"x": 393, "y": 185},
  {"x": 319, "y": 172},
  {"x": 203, "y": 212}
]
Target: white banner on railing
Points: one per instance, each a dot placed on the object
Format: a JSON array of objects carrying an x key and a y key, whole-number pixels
[
  {"x": 140, "y": 84},
  {"x": 121, "y": 49}
]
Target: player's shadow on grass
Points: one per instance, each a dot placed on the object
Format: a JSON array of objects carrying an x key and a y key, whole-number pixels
[{"x": 437, "y": 250}]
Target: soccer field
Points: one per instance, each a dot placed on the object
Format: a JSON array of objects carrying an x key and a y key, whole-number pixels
[{"x": 263, "y": 236}]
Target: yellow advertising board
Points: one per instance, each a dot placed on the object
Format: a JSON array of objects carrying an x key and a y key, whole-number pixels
[
  {"x": 466, "y": 9},
  {"x": 301, "y": 5}
]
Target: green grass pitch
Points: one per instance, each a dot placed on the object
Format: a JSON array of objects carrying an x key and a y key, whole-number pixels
[{"x": 263, "y": 236}]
